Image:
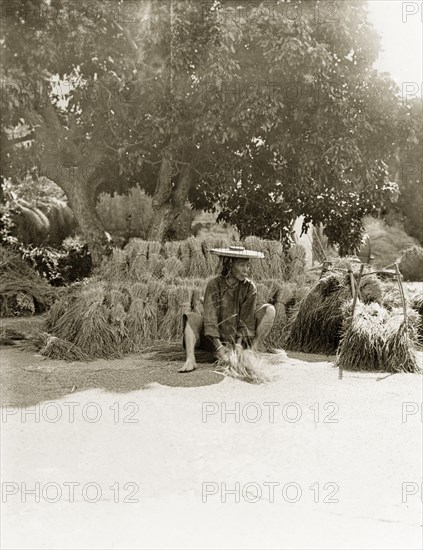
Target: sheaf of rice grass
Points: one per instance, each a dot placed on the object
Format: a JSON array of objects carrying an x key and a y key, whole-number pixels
[
  {"x": 172, "y": 268},
  {"x": 198, "y": 262},
  {"x": 243, "y": 364},
  {"x": 377, "y": 340},
  {"x": 154, "y": 247},
  {"x": 171, "y": 249},
  {"x": 316, "y": 323},
  {"x": 139, "y": 268},
  {"x": 417, "y": 305},
  {"x": 156, "y": 264},
  {"x": 57, "y": 348}
]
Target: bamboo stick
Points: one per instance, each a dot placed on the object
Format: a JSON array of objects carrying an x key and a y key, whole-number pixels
[{"x": 401, "y": 289}]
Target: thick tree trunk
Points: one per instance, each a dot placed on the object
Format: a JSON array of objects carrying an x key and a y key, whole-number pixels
[
  {"x": 70, "y": 166},
  {"x": 170, "y": 219},
  {"x": 81, "y": 200}
]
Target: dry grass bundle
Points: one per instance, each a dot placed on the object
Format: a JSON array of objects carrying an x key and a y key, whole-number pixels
[
  {"x": 85, "y": 320},
  {"x": 22, "y": 290},
  {"x": 377, "y": 340},
  {"x": 198, "y": 263},
  {"x": 154, "y": 247},
  {"x": 184, "y": 256},
  {"x": 139, "y": 268},
  {"x": 57, "y": 348},
  {"x": 296, "y": 269},
  {"x": 172, "y": 268},
  {"x": 245, "y": 365},
  {"x": 116, "y": 266},
  {"x": 98, "y": 336},
  {"x": 137, "y": 246},
  {"x": 391, "y": 295},
  {"x": 156, "y": 264},
  {"x": 417, "y": 305},
  {"x": 171, "y": 249},
  {"x": 273, "y": 265},
  {"x": 114, "y": 296},
  {"x": 212, "y": 261},
  {"x": 277, "y": 334},
  {"x": 275, "y": 259},
  {"x": 316, "y": 323},
  {"x": 267, "y": 291},
  {"x": 136, "y": 325}
]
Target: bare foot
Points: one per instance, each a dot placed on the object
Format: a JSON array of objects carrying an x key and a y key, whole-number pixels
[{"x": 189, "y": 366}]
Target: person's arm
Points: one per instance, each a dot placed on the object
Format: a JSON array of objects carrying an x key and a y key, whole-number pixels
[{"x": 247, "y": 323}]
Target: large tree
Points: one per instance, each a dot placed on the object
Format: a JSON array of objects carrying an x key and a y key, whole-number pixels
[
  {"x": 266, "y": 112},
  {"x": 319, "y": 125}
]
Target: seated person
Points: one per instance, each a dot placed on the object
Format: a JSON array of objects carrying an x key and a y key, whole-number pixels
[{"x": 231, "y": 316}]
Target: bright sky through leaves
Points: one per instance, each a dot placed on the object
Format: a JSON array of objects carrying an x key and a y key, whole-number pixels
[{"x": 401, "y": 28}]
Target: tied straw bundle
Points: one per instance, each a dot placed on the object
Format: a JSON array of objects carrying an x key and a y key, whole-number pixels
[
  {"x": 375, "y": 339},
  {"x": 243, "y": 364}
]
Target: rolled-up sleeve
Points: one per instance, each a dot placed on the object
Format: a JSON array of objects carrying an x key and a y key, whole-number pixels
[
  {"x": 211, "y": 301},
  {"x": 247, "y": 322}
]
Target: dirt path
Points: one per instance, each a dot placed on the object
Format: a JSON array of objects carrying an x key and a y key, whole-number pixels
[{"x": 337, "y": 454}]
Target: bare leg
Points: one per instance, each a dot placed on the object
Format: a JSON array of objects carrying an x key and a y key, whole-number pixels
[
  {"x": 264, "y": 327},
  {"x": 189, "y": 339}
]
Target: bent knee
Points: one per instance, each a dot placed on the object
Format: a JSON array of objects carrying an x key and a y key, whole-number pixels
[{"x": 269, "y": 311}]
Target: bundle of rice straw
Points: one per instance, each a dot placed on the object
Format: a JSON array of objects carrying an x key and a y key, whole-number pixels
[
  {"x": 212, "y": 261},
  {"x": 84, "y": 319},
  {"x": 116, "y": 266},
  {"x": 144, "y": 309},
  {"x": 377, "y": 340},
  {"x": 198, "y": 263},
  {"x": 138, "y": 268},
  {"x": 156, "y": 264},
  {"x": 316, "y": 323},
  {"x": 19, "y": 280},
  {"x": 57, "y": 348},
  {"x": 297, "y": 256},
  {"x": 276, "y": 336},
  {"x": 154, "y": 247},
  {"x": 417, "y": 305},
  {"x": 172, "y": 268},
  {"x": 137, "y": 247},
  {"x": 243, "y": 364},
  {"x": 171, "y": 249}
]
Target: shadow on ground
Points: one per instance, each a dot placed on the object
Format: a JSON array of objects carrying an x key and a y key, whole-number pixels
[{"x": 28, "y": 378}]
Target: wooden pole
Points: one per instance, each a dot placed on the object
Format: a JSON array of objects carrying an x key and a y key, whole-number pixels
[
  {"x": 401, "y": 289},
  {"x": 357, "y": 290}
]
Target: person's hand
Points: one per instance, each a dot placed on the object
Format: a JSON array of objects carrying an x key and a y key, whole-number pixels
[
  {"x": 238, "y": 347},
  {"x": 221, "y": 352}
]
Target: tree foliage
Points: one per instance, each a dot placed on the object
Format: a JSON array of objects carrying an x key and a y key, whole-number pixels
[{"x": 269, "y": 110}]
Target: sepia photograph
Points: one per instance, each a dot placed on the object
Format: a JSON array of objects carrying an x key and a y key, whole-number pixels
[{"x": 211, "y": 274}]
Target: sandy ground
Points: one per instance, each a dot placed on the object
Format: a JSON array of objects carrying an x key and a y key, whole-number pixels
[{"x": 161, "y": 462}]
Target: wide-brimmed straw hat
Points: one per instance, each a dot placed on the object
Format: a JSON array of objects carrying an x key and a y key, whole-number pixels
[{"x": 237, "y": 252}]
